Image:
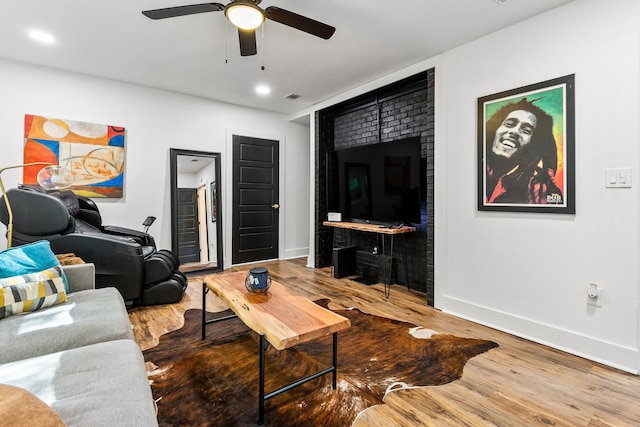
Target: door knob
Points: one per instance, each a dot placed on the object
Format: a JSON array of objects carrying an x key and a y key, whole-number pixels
[{"x": 275, "y": 206}]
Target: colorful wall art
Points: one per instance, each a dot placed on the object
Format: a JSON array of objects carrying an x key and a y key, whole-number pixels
[
  {"x": 93, "y": 153},
  {"x": 526, "y": 148}
]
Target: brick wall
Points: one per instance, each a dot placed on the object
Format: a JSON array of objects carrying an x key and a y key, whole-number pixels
[{"x": 401, "y": 110}]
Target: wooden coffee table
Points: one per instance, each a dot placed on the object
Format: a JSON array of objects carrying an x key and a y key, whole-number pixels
[{"x": 280, "y": 318}]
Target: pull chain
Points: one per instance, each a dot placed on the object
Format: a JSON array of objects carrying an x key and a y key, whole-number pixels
[
  {"x": 226, "y": 42},
  {"x": 263, "y": 48}
]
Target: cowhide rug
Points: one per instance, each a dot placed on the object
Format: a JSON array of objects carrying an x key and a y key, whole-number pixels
[{"x": 214, "y": 382}]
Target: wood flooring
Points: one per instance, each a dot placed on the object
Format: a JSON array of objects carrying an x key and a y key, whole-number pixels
[{"x": 520, "y": 383}]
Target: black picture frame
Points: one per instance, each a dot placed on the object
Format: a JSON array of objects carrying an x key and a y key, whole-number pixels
[{"x": 526, "y": 148}]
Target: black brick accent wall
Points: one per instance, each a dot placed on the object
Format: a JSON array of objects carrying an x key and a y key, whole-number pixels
[{"x": 401, "y": 110}]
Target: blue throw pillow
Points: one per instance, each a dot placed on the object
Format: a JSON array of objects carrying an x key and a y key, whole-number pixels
[{"x": 30, "y": 258}]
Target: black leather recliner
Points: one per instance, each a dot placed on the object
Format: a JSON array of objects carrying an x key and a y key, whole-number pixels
[{"x": 124, "y": 259}]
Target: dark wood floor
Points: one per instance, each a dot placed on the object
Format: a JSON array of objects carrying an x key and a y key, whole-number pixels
[{"x": 520, "y": 383}]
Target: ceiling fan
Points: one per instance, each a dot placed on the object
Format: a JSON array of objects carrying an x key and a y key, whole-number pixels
[{"x": 247, "y": 16}]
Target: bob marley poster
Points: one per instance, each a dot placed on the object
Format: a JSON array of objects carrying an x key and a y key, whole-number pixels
[{"x": 526, "y": 148}]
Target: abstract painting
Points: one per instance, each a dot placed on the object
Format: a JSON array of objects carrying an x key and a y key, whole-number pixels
[{"x": 94, "y": 153}]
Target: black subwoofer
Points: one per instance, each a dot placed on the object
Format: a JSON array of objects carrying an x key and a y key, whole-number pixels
[{"x": 344, "y": 261}]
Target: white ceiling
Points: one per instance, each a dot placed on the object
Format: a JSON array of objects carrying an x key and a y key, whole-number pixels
[
  {"x": 199, "y": 55},
  {"x": 192, "y": 164}
]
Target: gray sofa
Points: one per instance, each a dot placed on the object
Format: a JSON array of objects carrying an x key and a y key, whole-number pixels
[{"x": 79, "y": 357}]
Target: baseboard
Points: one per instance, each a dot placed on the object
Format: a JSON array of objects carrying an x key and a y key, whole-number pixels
[
  {"x": 296, "y": 253},
  {"x": 607, "y": 353}
]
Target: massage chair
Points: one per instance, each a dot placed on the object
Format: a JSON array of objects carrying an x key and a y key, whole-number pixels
[{"x": 125, "y": 259}]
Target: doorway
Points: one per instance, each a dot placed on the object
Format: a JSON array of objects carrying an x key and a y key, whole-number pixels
[
  {"x": 255, "y": 199},
  {"x": 196, "y": 223},
  {"x": 188, "y": 225}
]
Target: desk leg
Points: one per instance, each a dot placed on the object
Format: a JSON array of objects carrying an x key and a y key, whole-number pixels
[
  {"x": 405, "y": 262},
  {"x": 387, "y": 288}
]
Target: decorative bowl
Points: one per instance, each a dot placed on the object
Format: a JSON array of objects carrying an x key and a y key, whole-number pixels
[{"x": 258, "y": 280}]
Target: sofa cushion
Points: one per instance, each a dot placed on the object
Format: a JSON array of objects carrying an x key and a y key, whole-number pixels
[
  {"x": 103, "y": 384},
  {"x": 20, "y": 408},
  {"x": 29, "y": 258},
  {"x": 31, "y": 292},
  {"x": 86, "y": 317},
  {"x": 81, "y": 277}
]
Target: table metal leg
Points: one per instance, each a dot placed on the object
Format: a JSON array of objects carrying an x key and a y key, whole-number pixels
[
  {"x": 204, "y": 304},
  {"x": 205, "y": 322},
  {"x": 335, "y": 359},
  {"x": 263, "y": 345},
  {"x": 263, "y": 397}
]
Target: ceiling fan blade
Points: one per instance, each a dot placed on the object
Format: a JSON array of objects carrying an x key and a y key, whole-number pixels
[
  {"x": 300, "y": 22},
  {"x": 171, "y": 12},
  {"x": 247, "y": 42}
]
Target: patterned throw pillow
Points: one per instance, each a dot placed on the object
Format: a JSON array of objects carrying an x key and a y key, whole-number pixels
[{"x": 31, "y": 292}]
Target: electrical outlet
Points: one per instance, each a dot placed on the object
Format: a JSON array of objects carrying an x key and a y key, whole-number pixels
[{"x": 597, "y": 299}]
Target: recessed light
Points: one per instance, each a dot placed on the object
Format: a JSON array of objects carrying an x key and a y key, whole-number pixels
[
  {"x": 42, "y": 37},
  {"x": 263, "y": 90}
]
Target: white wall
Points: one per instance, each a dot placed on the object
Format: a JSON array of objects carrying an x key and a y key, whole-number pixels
[
  {"x": 187, "y": 180},
  {"x": 528, "y": 273},
  {"x": 155, "y": 121}
]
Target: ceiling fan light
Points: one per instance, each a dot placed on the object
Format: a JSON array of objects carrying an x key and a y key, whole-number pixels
[{"x": 244, "y": 16}]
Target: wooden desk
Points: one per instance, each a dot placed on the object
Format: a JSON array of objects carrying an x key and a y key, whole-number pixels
[
  {"x": 370, "y": 228},
  {"x": 373, "y": 228},
  {"x": 280, "y": 318}
]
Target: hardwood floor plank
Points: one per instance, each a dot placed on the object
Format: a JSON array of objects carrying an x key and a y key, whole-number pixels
[{"x": 520, "y": 383}]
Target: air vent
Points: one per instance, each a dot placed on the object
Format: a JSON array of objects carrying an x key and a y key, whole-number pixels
[{"x": 292, "y": 96}]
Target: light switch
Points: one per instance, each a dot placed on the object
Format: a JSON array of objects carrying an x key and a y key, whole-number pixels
[
  {"x": 622, "y": 177},
  {"x": 618, "y": 177}
]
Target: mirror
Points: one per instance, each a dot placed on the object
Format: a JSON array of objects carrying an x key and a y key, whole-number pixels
[{"x": 196, "y": 221}]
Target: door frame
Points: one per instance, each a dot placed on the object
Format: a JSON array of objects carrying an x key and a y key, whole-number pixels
[
  {"x": 203, "y": 237},
  {"x": 281, "y": 185},
  {"x": 173, "y": 170}
]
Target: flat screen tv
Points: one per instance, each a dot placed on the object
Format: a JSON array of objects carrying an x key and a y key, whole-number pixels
[{"x": 377, "y": 183}]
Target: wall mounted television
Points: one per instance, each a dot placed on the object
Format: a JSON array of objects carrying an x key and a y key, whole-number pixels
[{"x": 376, "y": 183}]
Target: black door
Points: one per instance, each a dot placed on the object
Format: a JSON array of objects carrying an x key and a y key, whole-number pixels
[
  {"x": 255, "y": 199},
  {"x": 188, "y": 238}
]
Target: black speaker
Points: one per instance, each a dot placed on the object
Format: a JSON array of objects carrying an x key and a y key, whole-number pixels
[{"x": 344, "y": 261}]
